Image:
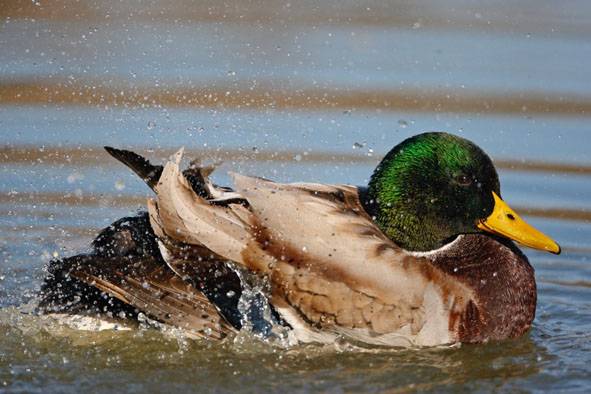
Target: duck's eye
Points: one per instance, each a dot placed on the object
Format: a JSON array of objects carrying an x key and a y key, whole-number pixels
[{"x": 463, "y": 179}]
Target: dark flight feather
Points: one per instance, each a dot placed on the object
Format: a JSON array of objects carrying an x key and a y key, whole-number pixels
[{"x": 147, "y": 171}]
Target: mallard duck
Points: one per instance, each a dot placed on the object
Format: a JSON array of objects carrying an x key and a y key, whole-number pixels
[{"x": 421, "y": 256}]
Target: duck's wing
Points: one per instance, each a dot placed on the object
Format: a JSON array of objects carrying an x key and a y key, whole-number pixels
[
  {"x": 184, "y": 216},
  {"x": 329, "y": 265},
  {"x": 145, "y": 284},
  {"x": 126, "y": 264},
  {"x": 152, "y": 288}
]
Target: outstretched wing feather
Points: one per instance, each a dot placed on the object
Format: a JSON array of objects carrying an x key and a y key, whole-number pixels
[{"x": 154, "y": 289}]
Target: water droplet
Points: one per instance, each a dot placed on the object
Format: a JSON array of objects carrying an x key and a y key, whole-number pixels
[{"x": 75, "y": 176}]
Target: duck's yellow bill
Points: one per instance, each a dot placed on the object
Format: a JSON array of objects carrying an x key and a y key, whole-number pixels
[{"x": 504, "y": 221}]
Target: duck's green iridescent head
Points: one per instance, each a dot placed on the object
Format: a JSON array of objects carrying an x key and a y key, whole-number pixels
[{"x": 434, "y": 186}]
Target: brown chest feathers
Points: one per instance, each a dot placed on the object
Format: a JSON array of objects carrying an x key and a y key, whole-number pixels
[{"x": 503, "y": 282}]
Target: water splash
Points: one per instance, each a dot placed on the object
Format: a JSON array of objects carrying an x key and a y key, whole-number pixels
[{"x": 257, "y": 315}]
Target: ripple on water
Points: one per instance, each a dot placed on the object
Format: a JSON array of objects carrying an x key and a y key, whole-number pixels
[{"x": 47, "y": 350}]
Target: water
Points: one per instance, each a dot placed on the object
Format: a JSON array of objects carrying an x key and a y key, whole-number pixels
[{"x": 292, "y": 92}]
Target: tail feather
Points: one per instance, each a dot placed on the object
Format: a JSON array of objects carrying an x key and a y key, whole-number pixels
[{"x": 147, "y": 171}]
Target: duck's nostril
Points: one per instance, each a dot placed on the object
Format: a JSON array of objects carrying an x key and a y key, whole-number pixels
[{"x": 510, "y": 216}]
